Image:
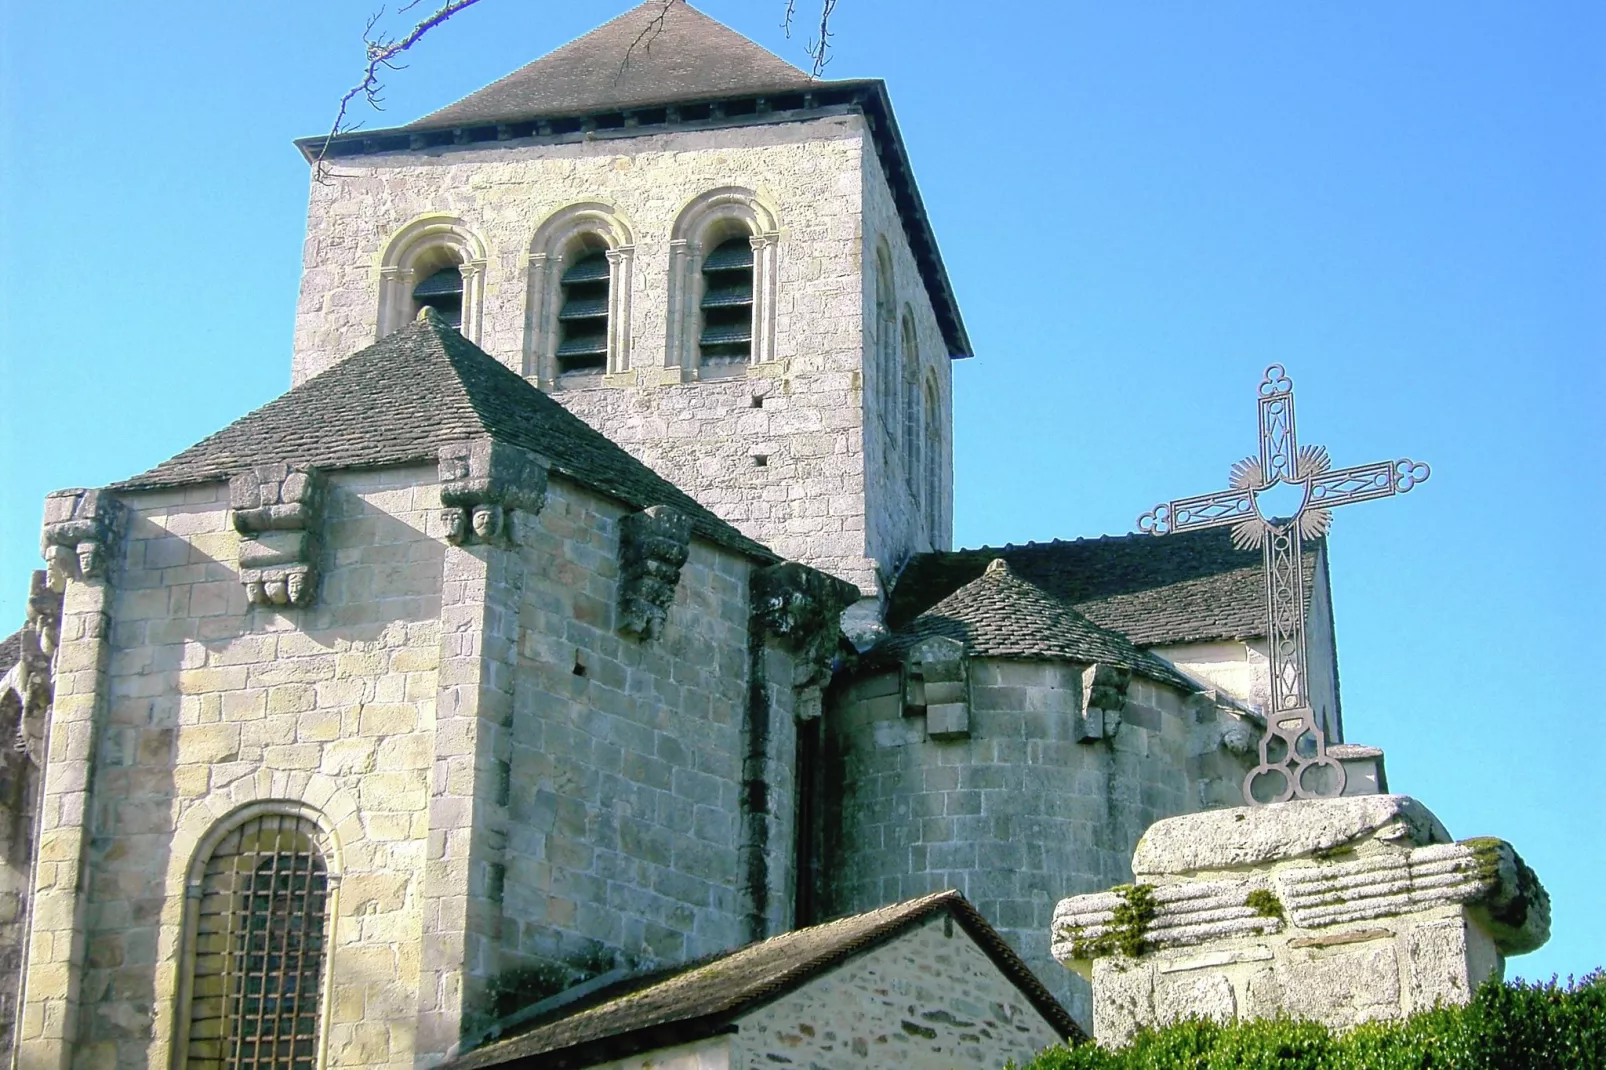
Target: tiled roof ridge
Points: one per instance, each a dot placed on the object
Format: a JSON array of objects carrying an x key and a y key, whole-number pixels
[{"x": 570, "y": 63}]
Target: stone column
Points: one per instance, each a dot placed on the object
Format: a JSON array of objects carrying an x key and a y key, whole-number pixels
[
  {"x": 81, "y": 541},
  {"x": 1339, "y": 910},
  {"x": 488, "y": 491}
]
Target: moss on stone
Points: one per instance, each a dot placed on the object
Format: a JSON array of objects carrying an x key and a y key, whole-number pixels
[
  {"x": 1265, "y": 903},
  {"x": 1124, "y": 935}
]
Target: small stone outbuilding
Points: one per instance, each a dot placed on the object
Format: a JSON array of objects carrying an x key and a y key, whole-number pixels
[{"x": 926, "y": 984}]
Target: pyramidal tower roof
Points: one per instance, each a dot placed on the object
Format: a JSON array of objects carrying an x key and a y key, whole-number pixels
[{"x": 655, "y": 53}]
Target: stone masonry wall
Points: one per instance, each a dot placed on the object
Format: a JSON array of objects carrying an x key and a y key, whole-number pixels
[
  {"x": 803, "y": 412},
  {"x": 929, "y": 999},
  {"x": 897, "y": 527},
  {"x": 1019, "y": 811},
  {"x": 626, "y": 761},
  {"x": 214, "y": 704}
]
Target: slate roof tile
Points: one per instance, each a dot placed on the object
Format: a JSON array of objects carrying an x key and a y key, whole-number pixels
[
  {"x": 651, "y": 54},
  {"x": 1185, "y": 588},
  {"x": 405, "y": 396},
  {"x": 696, "y": 1000},
  {"x": 999, "y": 614}
]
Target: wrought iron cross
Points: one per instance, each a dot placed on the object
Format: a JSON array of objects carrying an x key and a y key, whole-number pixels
[{"x": 1276, "y": 501}]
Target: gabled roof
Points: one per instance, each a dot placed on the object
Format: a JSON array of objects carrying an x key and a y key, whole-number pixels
[
  {"x": 652, "y": 54},
  {"x": 696, "y": 74},
  {"x": 702, "y": 999},
  {"x": 407, "y": 395},
  {"x": 1000, "y": 615},
  {"x": 1185, "y": 588}
]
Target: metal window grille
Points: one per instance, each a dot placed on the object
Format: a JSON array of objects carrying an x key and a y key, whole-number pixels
[{"x": 260, "y": 946}]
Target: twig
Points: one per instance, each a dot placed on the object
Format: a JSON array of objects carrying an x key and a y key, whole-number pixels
[{"x": 382, "y": 53}]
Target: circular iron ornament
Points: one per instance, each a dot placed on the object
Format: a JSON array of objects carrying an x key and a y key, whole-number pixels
[{"x": 1299, "y": 772}]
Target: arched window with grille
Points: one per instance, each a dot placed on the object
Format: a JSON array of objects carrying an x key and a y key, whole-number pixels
[
  {"x": 258, "y": 940},
  {"x": 913, "y": 440},
  {"x": 583, "y": 312},
  {"x": 725, "y": 338}
]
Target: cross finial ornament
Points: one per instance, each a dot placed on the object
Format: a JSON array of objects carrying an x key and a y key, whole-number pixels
[{"x": 1275, "y": 502}]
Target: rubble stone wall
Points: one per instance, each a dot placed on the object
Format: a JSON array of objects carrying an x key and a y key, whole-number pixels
[{"x": 930, "y": 999}]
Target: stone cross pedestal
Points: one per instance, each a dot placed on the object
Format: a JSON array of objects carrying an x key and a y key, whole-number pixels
[{"x": 1338, "y": 910}]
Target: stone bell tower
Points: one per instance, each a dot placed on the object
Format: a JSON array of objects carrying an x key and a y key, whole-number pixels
[{"x": 714, "y": 259}]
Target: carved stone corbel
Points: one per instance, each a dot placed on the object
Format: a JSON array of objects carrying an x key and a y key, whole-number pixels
[
  {"x": 80, "y": 534},
  {"x": 802, "y": 607},
  {"x": 41, "y": 632},
  {"x": 653, "y": 545},
  {"x": 278, "y": 511},
  {"x": 937, "y": 686},
  {"x": 482, "y": 482},
  {"x": 1103, "y": 700}
]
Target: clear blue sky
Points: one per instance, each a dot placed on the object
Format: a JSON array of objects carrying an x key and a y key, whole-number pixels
[{"x": 1141, "y": 206}]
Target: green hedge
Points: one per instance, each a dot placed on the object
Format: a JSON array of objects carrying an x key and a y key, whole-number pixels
[{"x": 1513, "y": 1026}]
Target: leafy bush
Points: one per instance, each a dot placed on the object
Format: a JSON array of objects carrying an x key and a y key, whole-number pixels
[{"x": 1514, "y": 1026}]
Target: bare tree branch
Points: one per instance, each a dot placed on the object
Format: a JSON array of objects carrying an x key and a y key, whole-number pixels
[{"x": 382, "y": 52}]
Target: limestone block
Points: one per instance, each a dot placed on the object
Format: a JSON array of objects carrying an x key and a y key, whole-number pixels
[
  {"x": 1249, "y": 835},
  {"x": 1339, "y": 910},
  {"x": 948, "y": 721}
]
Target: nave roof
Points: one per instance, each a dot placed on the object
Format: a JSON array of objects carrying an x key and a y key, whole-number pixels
[{"x": 407, "y": 395}]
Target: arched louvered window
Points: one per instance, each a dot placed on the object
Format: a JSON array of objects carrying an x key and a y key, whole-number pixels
[
  {"x": 885, "y": 356},
  {"x": 933, "y": 464},
  {"x": 441, "y": 290},
  {"x": 259, "y": 948},
  {"x": 583, "y": 314},
  {"x": 912, "y": 438},
  {"x": 726, "y": 337}
]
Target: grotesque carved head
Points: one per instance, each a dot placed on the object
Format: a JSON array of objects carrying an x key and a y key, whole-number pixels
[
  {"x": 298, "y": 586},
  {"x": 487, "y": 521}
]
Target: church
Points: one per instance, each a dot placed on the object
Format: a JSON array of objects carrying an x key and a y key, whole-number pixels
[{"x": 574, "y": 663}]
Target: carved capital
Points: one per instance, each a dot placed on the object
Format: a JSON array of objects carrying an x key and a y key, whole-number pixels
[
  {"x": 278, "y": 511},
  {"x": 80, "y": 534},
  {"x": 802, "y": 608},
  {"x": 653, "y": 545},
  {"x": 1103, "y": 700},
  {"x": 482, "y": 482}
]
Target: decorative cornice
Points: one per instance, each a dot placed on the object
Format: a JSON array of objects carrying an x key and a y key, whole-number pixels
[
  {"x": 482, "y": 482},
  {"x": 278, "y": 511},
  {"x": 80, "y": 533},
  {"x": 1103, "y": 701},
  {"x": 653, "y": 545},
  {"x": 802, "y": 608}
]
